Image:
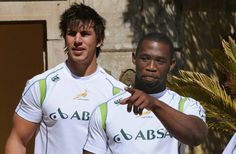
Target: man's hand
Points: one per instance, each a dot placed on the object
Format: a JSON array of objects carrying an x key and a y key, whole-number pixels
[{"x": 138, "y": 101}]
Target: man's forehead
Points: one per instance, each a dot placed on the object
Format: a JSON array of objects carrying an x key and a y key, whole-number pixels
[
  {"x": 153, "y": 47},
  {"x": 152, "y": 44},
  {"x": 80, "y": 25}
]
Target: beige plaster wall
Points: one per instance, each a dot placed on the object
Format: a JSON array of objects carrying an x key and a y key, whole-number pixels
[
  {"x": 117, "y": 33},
  {"x": 115, "y": 62}
]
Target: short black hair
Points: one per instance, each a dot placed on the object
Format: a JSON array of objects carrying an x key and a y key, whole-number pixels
[
  {"x": 157, "y": 37},
  {"x": 80, "y": 13}
]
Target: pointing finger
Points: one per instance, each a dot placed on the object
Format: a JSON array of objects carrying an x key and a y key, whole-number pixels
[
  {"x": 130, "y": 90},
  {"x": 124, "y": 101}
]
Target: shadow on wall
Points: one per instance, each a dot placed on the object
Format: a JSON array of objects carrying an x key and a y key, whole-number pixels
[
  {"x": 194, "y": 26},
  {"x": 205, "y": 25}
]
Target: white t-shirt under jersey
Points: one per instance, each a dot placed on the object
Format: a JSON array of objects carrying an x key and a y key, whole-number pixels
[
  {"x": 127, "y": 133},
  {"x": 64, "y": 114}
]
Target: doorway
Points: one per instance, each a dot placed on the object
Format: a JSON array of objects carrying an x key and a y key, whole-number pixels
[{"x": 22, "y": 55}]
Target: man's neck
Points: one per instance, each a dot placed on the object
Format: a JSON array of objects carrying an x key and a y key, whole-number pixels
[{"x": 80, "y": 69}]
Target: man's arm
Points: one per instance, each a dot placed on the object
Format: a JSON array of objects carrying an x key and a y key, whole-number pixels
[
  {"x": 22, "y": 131},
  {"x": 188, "y": 129}
]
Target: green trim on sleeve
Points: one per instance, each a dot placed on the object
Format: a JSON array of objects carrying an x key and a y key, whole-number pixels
[
  {"x": 116, "y": 90},
  {"x": 43, "y": 88},
  {"x": 181, "y": 104},
  {"x": 103, "y": 109}
]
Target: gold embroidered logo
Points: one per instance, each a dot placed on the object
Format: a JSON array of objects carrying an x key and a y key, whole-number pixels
[
  {"x": 81, "y": 96},
  {"x": 145, "y": 114}
]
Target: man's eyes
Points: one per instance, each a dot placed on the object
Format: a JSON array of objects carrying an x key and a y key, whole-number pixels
[
  {"x": 71, "y": 33},
  {"x": 157, "y": 60},
  {"x": 83, "y": 33},
  {"x": 145, "y": 58},
  {"x": 161, "y": 61}
]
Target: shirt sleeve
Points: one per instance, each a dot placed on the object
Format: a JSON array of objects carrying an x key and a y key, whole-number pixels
[
  {"x": 193, "y": 107},
  {"x": 29, "y": 106},
  {"x": 231, "y": 146},
  {"x": 97, "y": 139}
]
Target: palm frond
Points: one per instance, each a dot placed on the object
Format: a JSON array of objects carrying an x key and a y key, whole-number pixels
[
  {"x": 231, "y": 83},
  {"x": 223, "y": 62},
  {"x": 230, "y": 49},
  {"x": 220, "y": 120},
  {"x": 208, "y": 85},
  {"x": 218, "y": 104}
]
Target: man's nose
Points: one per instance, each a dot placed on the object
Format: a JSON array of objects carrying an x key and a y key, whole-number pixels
[
  {"x": 152, "y": 66},
  {"x": 78, "y": 38}
]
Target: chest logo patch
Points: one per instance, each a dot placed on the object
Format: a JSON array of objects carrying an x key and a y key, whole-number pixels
[
  {"x": 146, "y": 114},
  {"x": 82, "y": 95}
]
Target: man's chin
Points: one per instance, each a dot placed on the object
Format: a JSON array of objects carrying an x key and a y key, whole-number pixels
[
  {"x": 150, "y": 84},
  {"x": 149, "y": 81}
]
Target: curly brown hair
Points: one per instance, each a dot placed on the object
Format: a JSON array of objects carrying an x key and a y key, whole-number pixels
[{"x": 80, "y": 13}]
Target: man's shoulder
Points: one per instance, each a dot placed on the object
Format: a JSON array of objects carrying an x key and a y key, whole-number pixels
[
  {"x": 173, "y": 93},
  {"x": 112, "y": 106},
  {"x": 115, "y": 100},
  {"x": 179, "y": 96},
  {"x": 115, "y": 82},
  {"x": 53, "y": 73}
]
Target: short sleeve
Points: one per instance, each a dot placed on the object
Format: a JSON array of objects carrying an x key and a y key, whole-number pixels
[
  {"x": 193, "y": 107},
  {"x": 97, "y": 140},
  {"x": 29, "y": 106},
  {"x": 231, "y": 146}
]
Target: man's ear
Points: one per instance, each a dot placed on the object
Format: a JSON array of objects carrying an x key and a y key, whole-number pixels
[
  {"x": 134, "y": 58},
  {"x": 99, "y": 44},
  {"x": 172, "y": 64}
]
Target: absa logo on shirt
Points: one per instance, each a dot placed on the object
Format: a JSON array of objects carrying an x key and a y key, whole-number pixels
[{"x": 149, "y": 134}]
